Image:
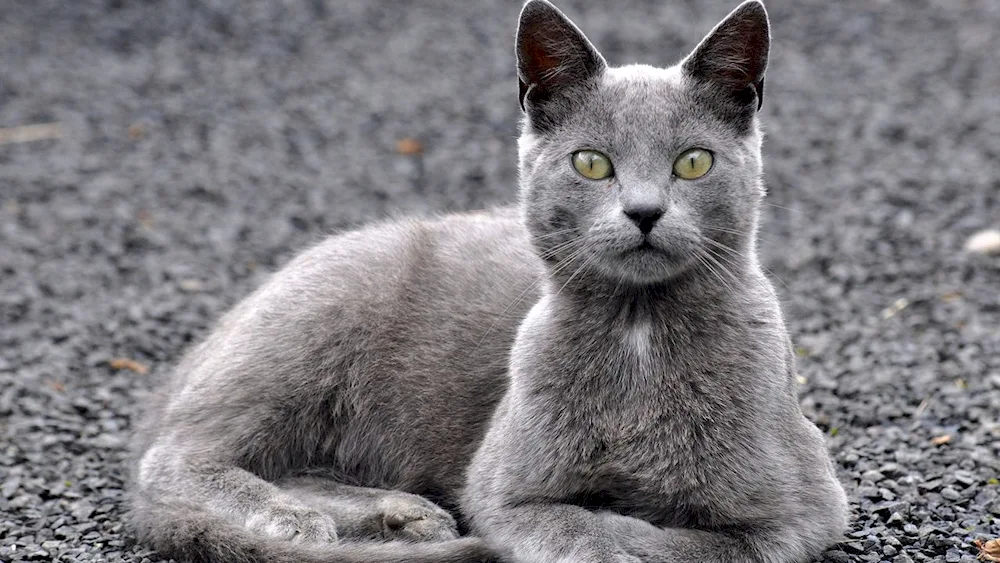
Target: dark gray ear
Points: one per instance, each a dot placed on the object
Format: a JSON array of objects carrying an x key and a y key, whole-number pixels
[
  {"x": 734, "y": 55},
  {"x": 552, "y": 53}
]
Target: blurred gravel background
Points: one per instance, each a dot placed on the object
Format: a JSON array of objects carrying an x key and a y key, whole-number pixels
[{"x": 203, "y": 142}]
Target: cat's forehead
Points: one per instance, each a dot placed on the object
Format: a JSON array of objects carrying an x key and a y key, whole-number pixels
[
  {"x": 639, "y": 77},
  {"x": 640, "y": 106},
  {"x": 642, "y": 95}
]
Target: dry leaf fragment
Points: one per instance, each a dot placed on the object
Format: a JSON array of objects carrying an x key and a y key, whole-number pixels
[
  {"x": 988, "y": 551},
  {"x": 409, "y": 146},
  {"x": 145, "y": 219},
  {"x": 897, "y": 306},
  {"x": 29, "y": 133},
  {"x": 136, "y": 131},
  {"x": 952, "y": 296},
  {"x": 131, "y": 365},
  {"x": 190, "y": 285},
  {"x": 941, "y": 440}
]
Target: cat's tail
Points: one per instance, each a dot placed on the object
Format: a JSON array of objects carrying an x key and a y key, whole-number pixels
[{"x": 188, "y": 532}]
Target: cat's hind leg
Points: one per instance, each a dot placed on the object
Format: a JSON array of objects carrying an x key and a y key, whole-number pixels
[
  {"x": 210, "y": 512},
  {"x": 372, "y": 514},
  {"x": 166, "y": 475},
  {"x": 771, "y": 543}
]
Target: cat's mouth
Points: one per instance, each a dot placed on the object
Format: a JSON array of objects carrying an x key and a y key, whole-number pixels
[
  {"x": 643, "y": 247},
  {"x": 648, "y": 262},
  {"x": 644, "y": 259}
]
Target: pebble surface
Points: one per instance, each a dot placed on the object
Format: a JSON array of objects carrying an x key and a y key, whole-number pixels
[{"x": 201, "y": 143}]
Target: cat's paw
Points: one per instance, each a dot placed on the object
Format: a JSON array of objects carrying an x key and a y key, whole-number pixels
[
  {"x": 414, "y": 518},
  {"x": 293, "y": 523}
]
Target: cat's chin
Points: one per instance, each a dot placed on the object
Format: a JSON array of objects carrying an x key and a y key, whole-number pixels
[{"x": 644, "y": 264}]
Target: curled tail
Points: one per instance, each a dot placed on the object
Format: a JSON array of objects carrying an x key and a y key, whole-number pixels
[{"x": 188, "y": 532}]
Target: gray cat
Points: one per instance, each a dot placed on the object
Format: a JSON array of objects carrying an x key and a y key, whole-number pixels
[{"x": 603, "y": 375}]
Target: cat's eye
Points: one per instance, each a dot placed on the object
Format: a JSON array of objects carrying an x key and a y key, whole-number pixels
[
  {"x": 592, "y": 164},
  {"x": 693, "y": 164}
]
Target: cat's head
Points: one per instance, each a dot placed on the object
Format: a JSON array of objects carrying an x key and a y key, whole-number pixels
[{"x": 637, "y": 174}]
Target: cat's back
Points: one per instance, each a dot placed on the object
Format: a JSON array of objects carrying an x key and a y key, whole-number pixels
[
  {"x": 420, "y": 288},
  {"x": 467, "y": 261}
]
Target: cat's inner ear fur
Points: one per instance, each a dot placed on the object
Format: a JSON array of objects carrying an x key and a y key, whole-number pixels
[
  {"x": 552, "y": 53},
  {"x": 733, "y": 56}
]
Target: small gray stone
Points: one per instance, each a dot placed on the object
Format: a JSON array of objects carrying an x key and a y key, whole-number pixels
[
  {"x": 932, "y": 485},
  {"x": 873, "y": 476},
  {"x": 869, "y": 492},
  {"x": 10, "y": 486},
  {"x": 951, "y": 494},
  {"x": 892, "y": 470}
]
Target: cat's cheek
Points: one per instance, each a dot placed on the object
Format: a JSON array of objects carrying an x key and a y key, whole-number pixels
[
  {"x": 716, "y": 216},
  {"x": 536, "y": 222},
  {"x": 561, "y": 219}
]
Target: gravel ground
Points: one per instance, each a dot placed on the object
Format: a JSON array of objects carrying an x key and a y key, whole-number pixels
[{"x": 205, "y": 141}]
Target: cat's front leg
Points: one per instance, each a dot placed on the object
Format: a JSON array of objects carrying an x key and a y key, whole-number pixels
[
  {"x": 765, "y": 544},
  {"x": 514, "y": 496},
  {"x": 540, "y": 532},
  {"x": 656, "y": 545}
]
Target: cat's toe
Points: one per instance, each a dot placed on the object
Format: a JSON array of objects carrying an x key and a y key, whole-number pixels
[
  {"x": 418, "y": 526},
  {"x": 316, "y": 527},
  {"x": 413, "y": 518},
  {"x": 292, "y": 523}
]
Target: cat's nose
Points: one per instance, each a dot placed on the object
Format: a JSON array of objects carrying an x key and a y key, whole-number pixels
[{"x": 644, "y": 217}]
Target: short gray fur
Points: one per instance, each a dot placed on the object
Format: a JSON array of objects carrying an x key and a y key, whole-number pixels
[{"x": 568, "y": 387}]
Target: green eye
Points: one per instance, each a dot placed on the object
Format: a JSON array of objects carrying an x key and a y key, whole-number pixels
[
  {"x": 592, "y": 164},
  {"x": 693, "y": 164}
]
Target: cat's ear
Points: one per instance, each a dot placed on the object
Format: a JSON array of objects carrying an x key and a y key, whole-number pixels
[
  {"x": 733, "y": 56},
  {"x": 552, "y": 53}
]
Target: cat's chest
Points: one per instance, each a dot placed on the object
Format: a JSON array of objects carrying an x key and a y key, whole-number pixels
[
  {"x": 672, "y": 419},
  {"x": 676, "y": 470},
  {"x": 637, "y": 343},
  {"x": 641, "y": 376}
]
